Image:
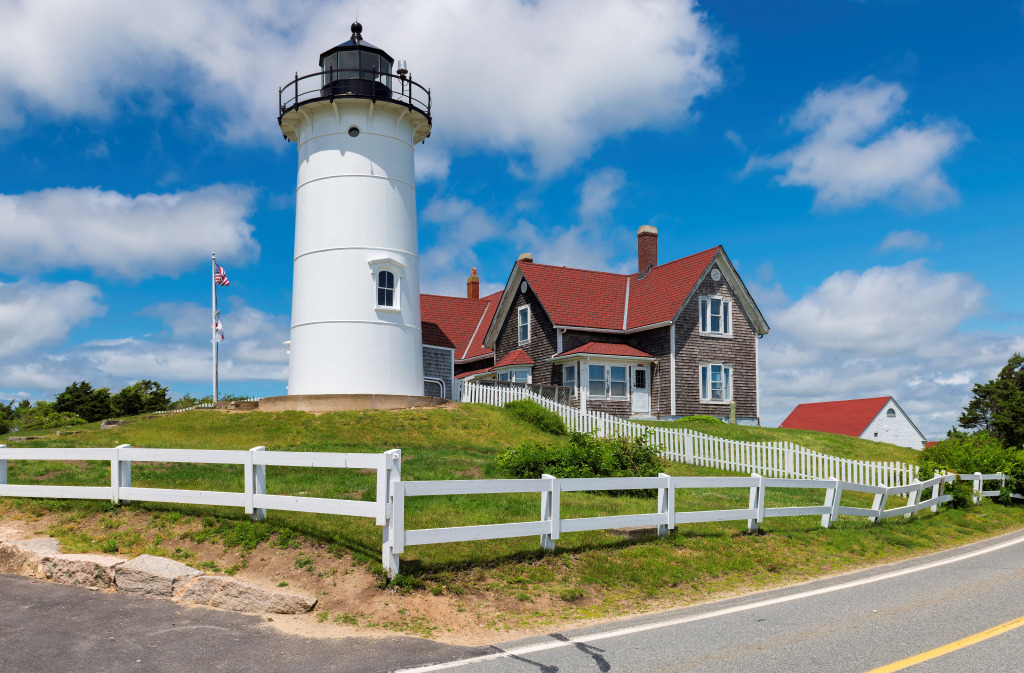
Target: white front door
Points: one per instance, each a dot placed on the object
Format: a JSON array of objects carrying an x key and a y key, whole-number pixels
[{"x": 641, "y": 390}]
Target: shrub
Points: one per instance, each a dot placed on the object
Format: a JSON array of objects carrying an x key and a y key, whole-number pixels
[
  {"x": 585, "y": 456},
  {"x": 699, "y": 418},
  {"x": 966, "y": 454},
  {"x": 61, "y": 419},
  {"x": 536, "y": 415},
  {"x": 962, "y": 492}
]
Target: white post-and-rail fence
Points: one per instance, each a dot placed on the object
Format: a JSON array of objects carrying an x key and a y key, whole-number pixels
[
  {"x": 389, "y": 507},
  {"x": 683, "y": 445}
]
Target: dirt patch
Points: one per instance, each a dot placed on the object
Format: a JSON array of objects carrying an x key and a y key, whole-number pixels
[{"x": 471, "y": 473}]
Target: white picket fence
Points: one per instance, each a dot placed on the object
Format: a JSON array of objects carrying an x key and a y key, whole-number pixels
[
  {"x": 388, "y": 509},
  {"x": 774, "y": 459},
  {"x": 208, "y": 405}
]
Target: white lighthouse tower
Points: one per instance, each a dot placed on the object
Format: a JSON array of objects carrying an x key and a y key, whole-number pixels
[{"x": 355, "y": 326}]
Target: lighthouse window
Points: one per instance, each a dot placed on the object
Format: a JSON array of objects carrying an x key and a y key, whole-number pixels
[
  {"x": 353, "y": 131},
  {"x": 386, "y": 289}
]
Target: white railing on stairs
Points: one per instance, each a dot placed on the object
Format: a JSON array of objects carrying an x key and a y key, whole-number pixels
[{"x": 771, "y": 459}]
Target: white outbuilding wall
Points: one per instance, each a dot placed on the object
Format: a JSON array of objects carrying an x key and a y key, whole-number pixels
[
  {"x": 355, "y": 215},
  {"x": 897, "y": 429}
]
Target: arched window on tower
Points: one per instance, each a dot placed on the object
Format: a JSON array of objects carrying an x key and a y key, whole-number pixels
[{"x": 385, "y": 289}]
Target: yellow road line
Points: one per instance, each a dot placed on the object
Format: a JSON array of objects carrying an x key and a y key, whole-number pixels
[{"x": 952, "y": 647}]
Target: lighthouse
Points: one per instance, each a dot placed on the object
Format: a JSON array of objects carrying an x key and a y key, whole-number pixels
[{"x": 355, "y": 323}]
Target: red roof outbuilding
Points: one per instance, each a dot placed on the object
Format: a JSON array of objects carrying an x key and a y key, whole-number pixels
[{"x": 846, "y": 417}]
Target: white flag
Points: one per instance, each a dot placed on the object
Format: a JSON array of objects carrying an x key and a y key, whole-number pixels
[{"x": 218, "y": 329}]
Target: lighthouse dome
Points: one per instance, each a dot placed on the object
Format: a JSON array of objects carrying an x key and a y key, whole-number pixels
[{"x": 356, "y": 67}]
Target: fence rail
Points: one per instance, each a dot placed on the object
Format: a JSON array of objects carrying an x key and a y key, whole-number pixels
[
  {"x": 683, "y": 445},
  {"x": 389, "y": 507}
]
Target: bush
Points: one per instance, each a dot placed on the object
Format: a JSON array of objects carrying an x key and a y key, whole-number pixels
[
  {"x": 962, "y": 492},
  {"x": 536, "y": 415},
  {"x": 61, "y": 419},
  {"x": 699, "y": 418},
  {"x": 966, "y": 454},
  {"x": 585, "y": 456}
]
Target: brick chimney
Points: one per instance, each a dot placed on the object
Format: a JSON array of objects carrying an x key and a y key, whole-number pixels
[
  {"x": 526, "y": 257},
  {"x": 646, "y": 248},
  {"x": 473, "y": 285}
]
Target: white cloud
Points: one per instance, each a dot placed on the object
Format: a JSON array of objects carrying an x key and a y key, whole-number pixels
[
  {"x": 181, "y": 356},
  {"x": 885, "y": 331},
  {"x": 851, "y": 154},
  {"x": 131, "y": 236},
  {"x": 32, "y": 315},
  {"x": 907, "y": 239},
  {"x": 599, "y": 192},
  {"x": 542, "y": 78}
]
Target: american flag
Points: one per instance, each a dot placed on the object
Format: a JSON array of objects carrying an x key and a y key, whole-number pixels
[{"x": 220, "y": 278}]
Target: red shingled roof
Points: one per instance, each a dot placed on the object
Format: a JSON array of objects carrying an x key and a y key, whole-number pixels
[
  {"x": 516, "y": 357},
  {"x": 847, "y": 417},
  {"x": 598, "y": 348},
  {"x": 452, "y": 321},
  {"x": 597, "y": 299}
]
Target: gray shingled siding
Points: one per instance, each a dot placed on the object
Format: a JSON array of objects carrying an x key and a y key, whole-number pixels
[{"x": 437, "y": 364}]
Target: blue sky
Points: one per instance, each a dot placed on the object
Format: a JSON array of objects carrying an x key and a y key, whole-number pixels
[{"x": 861, "y": 162}]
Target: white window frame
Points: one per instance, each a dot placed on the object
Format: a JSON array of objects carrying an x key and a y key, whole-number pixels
[
  {"x": 707, "y": 396},
  {"x": 513, "y": 375},
  {"x": 724, "y": 319},
  {"x": 397, "y": 269},
  {"x": 606, "y": 382},
  {"x": 520, "y": 324},
  {"x": 572, "y": 382}
]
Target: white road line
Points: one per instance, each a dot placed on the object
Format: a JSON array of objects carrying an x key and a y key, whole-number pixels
[{"x": 555, "y": 644}]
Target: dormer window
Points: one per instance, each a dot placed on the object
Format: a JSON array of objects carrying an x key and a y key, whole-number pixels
[
  {"x": 385, "y": 289},
  {"x": 715, "y": 316}
]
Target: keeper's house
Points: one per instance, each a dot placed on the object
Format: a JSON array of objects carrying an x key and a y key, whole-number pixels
[{"x": 675, "y": 339}]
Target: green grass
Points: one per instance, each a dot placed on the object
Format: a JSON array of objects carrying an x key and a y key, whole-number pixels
[
  {"x": 595, "y": 573},
  {"x": 835, "y": 445}
]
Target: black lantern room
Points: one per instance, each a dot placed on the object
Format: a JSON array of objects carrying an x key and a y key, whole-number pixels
[{"x": 356, "y": 68}]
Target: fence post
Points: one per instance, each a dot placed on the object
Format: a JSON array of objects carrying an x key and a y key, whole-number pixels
[
  {"x": 120, "y": 474},
  {"x": 3, "y": 467},
  {"x": 912, "y": 499},
  {"x": 667, "y": 505},
  {"x": 937, "y": 489},
  {"x": 392, "y": 503},
  {"x": 790, "y": 468},
  {"x": 255, "y": 484},
  {"x": 832, "y": 496},
  {"x": 550, "y": 511},
  {"x": 687, "y": 447},
  {"x": 878, "y": 505},
  {"x": 756, "y": 503},
  {"x": 977, "y": 488}
]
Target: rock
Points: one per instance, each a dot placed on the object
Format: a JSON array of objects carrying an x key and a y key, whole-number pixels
[
  {"x": 230, "y": 594},
  {"x": 88, "y": 570},
  {"x": 23, "y": 557},
  {"x": 153, "y": 576},
  {"x": 112, "y": 423}
]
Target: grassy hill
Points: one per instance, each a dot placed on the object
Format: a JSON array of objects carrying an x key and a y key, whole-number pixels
[{"x": 488, "y": 584}]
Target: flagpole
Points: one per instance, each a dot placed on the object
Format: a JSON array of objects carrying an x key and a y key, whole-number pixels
[{"x": 213, "y": 322}]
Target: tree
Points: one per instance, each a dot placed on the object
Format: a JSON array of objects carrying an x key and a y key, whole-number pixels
[
  {"x": 80, "y": 398},
  {"x": 139, "y": 398},
  {"x": 7, "y": 417},
  {"x": 998, "y": 406}
]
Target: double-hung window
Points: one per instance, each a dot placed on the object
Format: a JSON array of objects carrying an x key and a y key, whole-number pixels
[
  {"x": 515, "y": 376},
  {"x": 714, "y": 316},
  {"x": 569, "y": 378},
  {"x": 608, "y": 381},
  {"x": 524, "y": 325},
  {"x": 715, "y": 383}
]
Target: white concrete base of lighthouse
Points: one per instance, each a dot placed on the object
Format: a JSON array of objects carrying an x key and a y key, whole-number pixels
[{"x": 322, "y": 403}]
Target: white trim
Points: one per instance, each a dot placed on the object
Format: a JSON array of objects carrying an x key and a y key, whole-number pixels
[
  {"x": 598, "y": 356},
  {"x": 608, "y": 380},
  {"x": 558, "y": 340},
  {"x": 757, "y": 379},
  {"x": 596, "y": 330},
  {"x": 625, "y": 311},
  {"x": 477, "y": 357},
  {"x": 672, "y": 367},
  {"x": 387, "y": 261},
  {"x": 704, "y": 316},
  {"x": 472, "y": 339}
]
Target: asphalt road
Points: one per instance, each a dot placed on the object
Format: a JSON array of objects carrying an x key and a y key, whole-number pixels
[
  {"x": 48, "y": 627},
  {"x": 850, "y": 624},
  {"x": 854, "y": 623}
]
